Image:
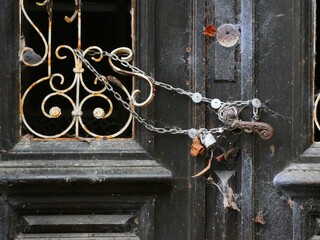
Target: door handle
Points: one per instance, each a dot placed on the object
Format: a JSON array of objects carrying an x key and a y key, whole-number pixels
[
  {"x": 229, "y": 117},
  {"x": 264, "y": 130}
]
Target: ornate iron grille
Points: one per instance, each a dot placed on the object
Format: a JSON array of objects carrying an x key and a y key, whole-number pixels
[{"x": 59, "y": 98}]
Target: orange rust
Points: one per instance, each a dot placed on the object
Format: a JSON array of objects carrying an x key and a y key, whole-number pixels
[
  {"x": 209, "y": 31},
  {"x": 196, "y": 148},
  {"x": 49, "y": 44},
  {"x": 34, "y": 84},
  {"x": 153, "y": 89},
  {"x": 260, "y": 218},
  {"x": 220, "y": 157}
]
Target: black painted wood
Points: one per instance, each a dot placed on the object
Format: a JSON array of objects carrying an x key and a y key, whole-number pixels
[
  {"x": 80, "y": 236},
  {"x": 298, "y": 183},
  {"x": 224, "y": 59},
  {"x": 78, "y": 223},
  {"x": 149, "y": 177}
]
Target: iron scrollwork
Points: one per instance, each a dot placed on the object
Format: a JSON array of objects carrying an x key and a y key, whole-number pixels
[{"x": 31, "y": 59}]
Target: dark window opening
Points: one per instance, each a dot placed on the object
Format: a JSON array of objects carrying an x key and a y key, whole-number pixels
[{"x": 104, "y": 23}]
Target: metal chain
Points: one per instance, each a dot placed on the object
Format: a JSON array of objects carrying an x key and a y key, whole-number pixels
[
  {"x": 127, "y": 106},
  {"x": 170, "y": 87},
  {"x": 138, "y": 70}
]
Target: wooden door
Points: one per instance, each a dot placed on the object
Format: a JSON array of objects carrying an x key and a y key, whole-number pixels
[{"x": 140, "y": 185}]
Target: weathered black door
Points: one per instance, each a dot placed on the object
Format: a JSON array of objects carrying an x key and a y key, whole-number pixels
[{"x": 141, "y": 185}]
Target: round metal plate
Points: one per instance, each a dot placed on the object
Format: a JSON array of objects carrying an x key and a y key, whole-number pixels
[{"x": 228, "y": 35}]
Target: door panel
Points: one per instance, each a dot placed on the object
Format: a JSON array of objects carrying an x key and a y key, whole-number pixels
[{"x": 142, "y": 188}]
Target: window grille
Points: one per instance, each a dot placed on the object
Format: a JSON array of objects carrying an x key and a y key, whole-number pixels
[{"x": 59, "y": 97}]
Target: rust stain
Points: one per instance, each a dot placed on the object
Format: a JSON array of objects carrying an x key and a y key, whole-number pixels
[
  {"x": 260, "y": 218},
  {"x": 209, "y": 31},
  {"x": 196, "y": 148},
  {"x": 220, "y": 157},
  {"x": 272, "y": 149}
]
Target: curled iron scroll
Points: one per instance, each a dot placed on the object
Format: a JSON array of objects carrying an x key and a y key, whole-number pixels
[
  {"x": 24, "y": 49},
  {"x": 128, "y": 58},
  {"x": 315, "y": 110}
]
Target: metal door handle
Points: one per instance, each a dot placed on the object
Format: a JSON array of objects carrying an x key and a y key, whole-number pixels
[{"x": 264, "y": 130}]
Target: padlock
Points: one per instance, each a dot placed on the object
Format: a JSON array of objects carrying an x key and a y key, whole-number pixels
[{"x": 207, "y": 139}]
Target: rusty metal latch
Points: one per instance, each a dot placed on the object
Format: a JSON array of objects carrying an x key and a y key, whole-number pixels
[
  {"x": 264, "y": 130},
  {"x": 230, "y": 117}
]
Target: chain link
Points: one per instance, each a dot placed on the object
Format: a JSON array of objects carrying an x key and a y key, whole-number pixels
[
  {"x": 137, "y": 70},
  {"x": 166, "y": 85},
  {"x": 170, "y": 87},
  {"x": 150, "y": 127},
  {"x": 126, "y": 105}
]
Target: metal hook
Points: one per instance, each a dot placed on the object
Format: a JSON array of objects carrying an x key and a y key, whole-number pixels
[
  {"x": 42, "y": 3},
  {"x": 71, "y": 19}
]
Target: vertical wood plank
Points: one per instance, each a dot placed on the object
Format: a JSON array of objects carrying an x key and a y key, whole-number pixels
[
  {"x": 197, "y": 73},
  {"x": 9, "y": 42},
  {"x": 224, "y": 57},
  {"x": 247, "y": 77}
]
